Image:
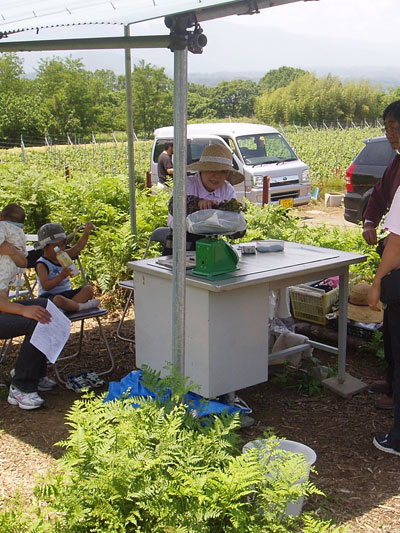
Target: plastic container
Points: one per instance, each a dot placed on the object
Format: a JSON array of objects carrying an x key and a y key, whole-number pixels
[
  {"x": 295, "y": 508},
  {"x": 248, "y": 248},
  {"x": 64, "y": 259},
  {"x": 312, "y": 305},
  {"x": 333, "y": 199},
  {"x": 271, "y": 245}
]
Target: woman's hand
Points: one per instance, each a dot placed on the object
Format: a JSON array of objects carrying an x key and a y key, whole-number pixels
[
  {"x": 36, "y": 312},
  {"x": 207, "y": 204}
]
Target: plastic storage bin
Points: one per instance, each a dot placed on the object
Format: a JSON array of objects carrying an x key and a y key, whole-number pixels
[{"x": 311, "y": 304}]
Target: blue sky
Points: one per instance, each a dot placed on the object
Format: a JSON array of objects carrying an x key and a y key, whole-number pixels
[{"x": 324, "y": 34}]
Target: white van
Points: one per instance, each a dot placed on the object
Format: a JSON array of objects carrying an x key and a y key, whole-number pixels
[{"x": 258, "y": 151}]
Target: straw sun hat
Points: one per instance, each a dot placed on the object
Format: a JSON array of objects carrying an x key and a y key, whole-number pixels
[
  {"x": 358, "y": 309},
  {"x": 217, "y": 157}
]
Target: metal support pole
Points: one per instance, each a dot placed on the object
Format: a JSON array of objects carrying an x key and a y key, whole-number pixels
[
  {"x": 342, "y": 329},
  {"x": 179, "y": 223},
  {"x": 130, "y": 133}
]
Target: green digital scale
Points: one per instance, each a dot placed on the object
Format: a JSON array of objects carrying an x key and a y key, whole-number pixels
[{"x": 214, "y": 257}]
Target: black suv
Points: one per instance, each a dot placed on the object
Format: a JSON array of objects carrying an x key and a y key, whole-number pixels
[{"x": 366, "y": 170}]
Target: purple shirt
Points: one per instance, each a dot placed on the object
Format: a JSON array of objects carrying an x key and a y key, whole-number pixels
[
  {"x": 383, "y": 192},
  {"x": 195, "y": 187}
]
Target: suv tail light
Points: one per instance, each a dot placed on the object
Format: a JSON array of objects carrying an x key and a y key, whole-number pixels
[{"x": 349, "y": 178}]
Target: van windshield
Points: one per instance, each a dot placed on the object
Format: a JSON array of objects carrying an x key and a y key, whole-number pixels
[
  {"x": 262, "y": 148},
  {"x": 195, "y": 147}
]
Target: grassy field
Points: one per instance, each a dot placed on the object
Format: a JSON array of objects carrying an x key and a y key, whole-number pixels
[
  {"x": 327, "y": 151},
  {"x": 76, "y": 183}
]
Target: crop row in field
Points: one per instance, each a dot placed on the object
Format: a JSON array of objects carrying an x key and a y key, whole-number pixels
[{"x": 327, "y": 151}]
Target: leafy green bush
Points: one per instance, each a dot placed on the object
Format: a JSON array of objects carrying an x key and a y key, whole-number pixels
[{"x": 157, "y": 469}]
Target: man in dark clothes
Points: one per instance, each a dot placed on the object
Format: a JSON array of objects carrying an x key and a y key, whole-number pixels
[
  {"x": 165, "y": 166},
  {"x": 378, "y": 205}
]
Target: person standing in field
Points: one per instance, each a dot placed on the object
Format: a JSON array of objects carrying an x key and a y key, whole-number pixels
[
  {"x": 165, "y": 165},
  {"x": 378, "y": 205},
  {"x": 386, "y": 287}
]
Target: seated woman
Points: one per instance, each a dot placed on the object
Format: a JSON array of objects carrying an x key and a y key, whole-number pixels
[
  {"x": 210, "y": 188},
  {"x": 19, "y": 319}
]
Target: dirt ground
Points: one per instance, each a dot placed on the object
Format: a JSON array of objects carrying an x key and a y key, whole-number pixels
[
  {"x": 362, "y": 484},
  {"x": 317, "y": 213}
]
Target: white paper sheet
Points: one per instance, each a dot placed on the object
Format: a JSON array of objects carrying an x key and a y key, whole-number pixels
[{"x": 51, "y": 338}]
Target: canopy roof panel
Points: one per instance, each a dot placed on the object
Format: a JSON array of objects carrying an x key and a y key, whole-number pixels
[{"x": 21, "y": 15}]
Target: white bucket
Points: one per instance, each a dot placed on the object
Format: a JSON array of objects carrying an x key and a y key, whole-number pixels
[{"x": 295, "y": 508}]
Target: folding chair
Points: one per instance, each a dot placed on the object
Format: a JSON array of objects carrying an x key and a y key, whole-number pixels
[
  {"x": 158, "y": 235},
  {"x": 81, "y": 316}
]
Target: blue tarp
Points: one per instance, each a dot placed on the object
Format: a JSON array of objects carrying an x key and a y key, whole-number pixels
[{"x": 130, "y": 387}]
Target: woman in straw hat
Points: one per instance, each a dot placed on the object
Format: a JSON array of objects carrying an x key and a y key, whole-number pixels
[
  {"x": 390, "y": 442},
  {"x": 211, "y": 185}
]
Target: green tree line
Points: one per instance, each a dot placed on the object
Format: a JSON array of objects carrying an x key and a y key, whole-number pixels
[{"x": 65, "y": 98}]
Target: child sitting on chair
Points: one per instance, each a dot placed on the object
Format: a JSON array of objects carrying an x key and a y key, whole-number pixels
[
  {"x": 12, "y": 219},
  {"x": 54, "y": 279}
]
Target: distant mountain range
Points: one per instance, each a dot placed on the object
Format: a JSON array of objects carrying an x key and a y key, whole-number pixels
[
  {"x": 252, "y": 53},
  {"x": 383, "y": 76},
  {"x": 375, "y": 75}
]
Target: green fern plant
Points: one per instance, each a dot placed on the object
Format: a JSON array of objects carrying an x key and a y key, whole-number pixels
[{"x": 157, "y": 469}]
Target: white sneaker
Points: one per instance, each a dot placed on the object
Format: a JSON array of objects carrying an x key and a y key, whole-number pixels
[
  {"x": 46, "y": 384},
  {"x": 25, "y": 400}
]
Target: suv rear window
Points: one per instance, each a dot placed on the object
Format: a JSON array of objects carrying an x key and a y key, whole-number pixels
[{"x": 375, "y": 153}]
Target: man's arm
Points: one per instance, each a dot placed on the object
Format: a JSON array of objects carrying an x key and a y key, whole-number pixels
[
  {"x": 377, "y": 204},
  {"x": 16, "y": 255},
  {"x": 381, "y": 199}
]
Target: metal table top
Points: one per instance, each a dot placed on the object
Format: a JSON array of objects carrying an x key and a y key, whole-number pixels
[{"x": 296, "y": 259}]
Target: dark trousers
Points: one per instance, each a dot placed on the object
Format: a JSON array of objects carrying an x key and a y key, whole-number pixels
[
  {"x": 31, "y": 363},
  {"x": 387, "y": 344},
  {"x": 392, "y": 320},
  {"x": 387, "y": 349}
]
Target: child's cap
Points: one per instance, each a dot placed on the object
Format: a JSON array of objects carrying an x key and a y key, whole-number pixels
[{"x": 49, "y": 234}]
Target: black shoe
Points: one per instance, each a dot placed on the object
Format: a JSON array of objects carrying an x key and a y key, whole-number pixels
[{"x": 383, "y": 443}]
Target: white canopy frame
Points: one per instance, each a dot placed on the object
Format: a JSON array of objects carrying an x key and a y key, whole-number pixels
[{"x": 178, "y": 19}]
